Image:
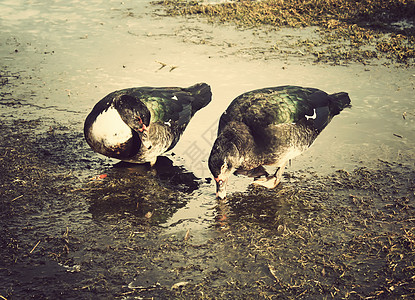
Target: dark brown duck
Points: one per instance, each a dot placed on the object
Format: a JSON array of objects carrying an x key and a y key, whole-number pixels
[
  {"x": 138, "y": 124},
  {"x": 269, "y": 126}
]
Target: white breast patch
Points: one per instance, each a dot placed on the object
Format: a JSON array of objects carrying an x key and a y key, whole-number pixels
[{"x": 110, "y": 129}]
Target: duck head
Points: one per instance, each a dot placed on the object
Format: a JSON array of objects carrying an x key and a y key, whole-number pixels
[
  {"x": 133, "y": 112},
  {"x": 223, "y": 161},
  {"x": 136, "y": 115}
]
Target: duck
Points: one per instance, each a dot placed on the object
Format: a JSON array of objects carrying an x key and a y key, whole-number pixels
[
  {"x": 138, "y": 124},
  {"x": 269, "y": 127}
]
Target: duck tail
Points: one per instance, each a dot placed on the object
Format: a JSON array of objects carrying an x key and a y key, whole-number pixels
[
  {"x": 202, "y": 95},
  {"x": 339, "y": 101}
]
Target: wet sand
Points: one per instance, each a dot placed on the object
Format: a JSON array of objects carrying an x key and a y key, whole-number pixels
[{"x": 76, "y": 225}]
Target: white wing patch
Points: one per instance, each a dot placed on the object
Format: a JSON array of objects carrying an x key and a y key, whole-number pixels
[
  {"x": 174, "y": 97},
  {"x": 168, "y": 123},
  {"x": 313, "y": 116}
]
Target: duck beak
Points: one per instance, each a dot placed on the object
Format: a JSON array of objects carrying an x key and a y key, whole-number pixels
[
  {"x": 221, "y": 188},
  {"x": 143, "y": 128}
]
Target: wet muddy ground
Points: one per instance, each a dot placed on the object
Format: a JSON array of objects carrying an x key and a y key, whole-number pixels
[
  {"x": 75, "y": 225},
  {"x": 344, "y": 235}
]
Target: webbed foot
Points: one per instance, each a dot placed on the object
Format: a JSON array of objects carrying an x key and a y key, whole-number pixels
[{"x": 269, "y": 182}]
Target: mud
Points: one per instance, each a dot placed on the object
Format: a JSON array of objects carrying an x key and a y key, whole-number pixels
[
  {"x": 76, "y": 225},
  {"x": 368, "y": 31},
  {"x": 345, "y": 235}
]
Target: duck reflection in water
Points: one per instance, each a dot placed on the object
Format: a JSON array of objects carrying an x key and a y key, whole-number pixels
[
  {"x": 173, "y": 176},
  {"x": 141, "y": 193}
]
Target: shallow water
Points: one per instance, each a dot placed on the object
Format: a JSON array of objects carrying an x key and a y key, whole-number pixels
[{"x": 70, "y": 54}]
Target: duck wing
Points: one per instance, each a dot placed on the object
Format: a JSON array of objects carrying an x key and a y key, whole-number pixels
[
  {"x": 172, "y": 106},
  {"x": 167, "y": 110},
  {"x": 284, "y": 105}
]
